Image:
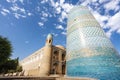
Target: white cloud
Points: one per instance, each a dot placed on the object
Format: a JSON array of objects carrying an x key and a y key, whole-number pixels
[
  {"x": 63, "y": 15},
  {"x": 40, "y": 23},
  {"x": 16, "y": 8},
  {"x": 6, "y": 10},
  {"x": 64, "y": 33},
  {"x": 44, "y": 14},
  {"x": 18, "y": 15},
  {"x": 62, "y": 1},
  {"x": 86, "y": 2},
  {"x": 22, "y": 10},
  {"x": 54, "y": 34},
  {"x": 53, "y": 3},
  {"x": 67, "y": 7},
  {"x": 100, "y": 18},
  {"x": 21, "y": 1},
  {"x": 114, "y": 22},
  {"x": 60, "y": 19},
  {"x": 43, "y": 1},
  {"x": 8, "y": 0},
  {"x": 19, "y": 12},
  {"x": 44, "y": 19},
  {"x": 61, "y": 8},
  {"x": 109, "y": 33},
  {"x": 12, "y": 1},
  {"x": 94, "y": 0},
  {"x": 58, "y": 10},
  {"x": 112, "y": 5},
  {"x": 102, "y": 1},
  {"x": 60, "y": 27},
  {"x": 29, "y": 14},
  {"x": 118, "y": 31},
  {"x": 3, "y": 13}
]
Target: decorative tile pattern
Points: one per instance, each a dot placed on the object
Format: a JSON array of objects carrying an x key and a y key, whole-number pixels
[{"x": 89, "y": 52}]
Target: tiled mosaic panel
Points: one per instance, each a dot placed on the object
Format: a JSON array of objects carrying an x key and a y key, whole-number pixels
[
  {"x": 89, "y": 52},
  {"x": 87, "y": 37},
  {"x": 102, "y": 66}
]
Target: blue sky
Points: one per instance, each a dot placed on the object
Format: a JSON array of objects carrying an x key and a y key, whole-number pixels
[{"x": 26, "y": 23}]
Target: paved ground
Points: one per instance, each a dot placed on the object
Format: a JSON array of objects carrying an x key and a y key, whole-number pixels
[{"x": 26, "y": 78}]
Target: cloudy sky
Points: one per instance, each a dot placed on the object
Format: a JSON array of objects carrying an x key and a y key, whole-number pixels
[{"x": 26, "y": 23}]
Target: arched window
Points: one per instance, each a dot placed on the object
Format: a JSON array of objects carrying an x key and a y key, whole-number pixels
[
  {"x": 56, "y": 52},
  {"x": 49, "y": 41}
]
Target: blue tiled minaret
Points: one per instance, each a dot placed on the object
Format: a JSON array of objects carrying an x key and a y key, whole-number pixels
[{"x": 89, "y": 52}]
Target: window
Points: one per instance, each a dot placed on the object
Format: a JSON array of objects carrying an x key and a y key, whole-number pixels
[
  {"x": 49, "y": 41},
  {"x": 55, "y": 52}
]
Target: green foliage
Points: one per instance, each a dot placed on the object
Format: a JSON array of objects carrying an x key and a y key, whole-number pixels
[
  {"x": 11, "y": 65},
  {"x": 5, "y": 50},
  {"x": 19, "y": 68},
  {"x": 7, "y": 65}
]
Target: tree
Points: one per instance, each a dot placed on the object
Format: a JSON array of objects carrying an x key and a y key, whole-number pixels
[
  {"x": 6, "y": 63},
  {"x": 5, "y": 50},
  {"x": 11, "y": 65}
]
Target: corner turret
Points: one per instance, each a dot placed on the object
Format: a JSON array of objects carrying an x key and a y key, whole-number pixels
[
  {"x": 46, "y": 62},
  {"x": 49, "y": 40}
]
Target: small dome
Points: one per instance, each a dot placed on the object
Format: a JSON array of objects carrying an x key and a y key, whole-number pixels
[{"x": 50, "y": 36}]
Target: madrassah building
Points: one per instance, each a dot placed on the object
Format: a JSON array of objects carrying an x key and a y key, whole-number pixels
[{"x": 48, "y": 60}]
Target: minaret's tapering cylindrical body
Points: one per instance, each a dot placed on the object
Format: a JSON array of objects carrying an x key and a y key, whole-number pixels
[
  {"x": 89, "y": 52},
  {"x": 46, "y": 61}
]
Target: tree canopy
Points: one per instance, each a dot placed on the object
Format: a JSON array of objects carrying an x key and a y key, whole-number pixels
[
  {"x": 6, "y": 63},
  {"x": 5, "y": 50}
]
